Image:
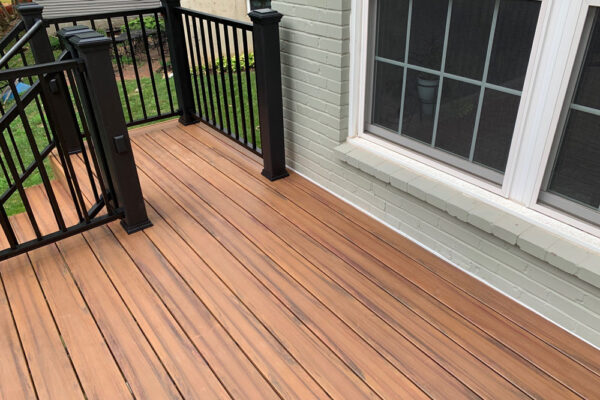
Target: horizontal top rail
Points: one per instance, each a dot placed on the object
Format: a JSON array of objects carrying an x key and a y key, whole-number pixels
[
  {"x": 112, "y": 14},
  {"x": 20, "y": 43},
  {"x": 38, "y": 69},
  {"x": 12, "y": 34},
  {"x": 209, "y": 17}
]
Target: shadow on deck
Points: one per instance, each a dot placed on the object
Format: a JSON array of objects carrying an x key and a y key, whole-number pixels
[{"x": 249, "y": 289}]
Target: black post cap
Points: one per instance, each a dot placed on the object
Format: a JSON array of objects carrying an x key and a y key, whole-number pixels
[
  {"x": 265, "y": 16},
  {"x": 28, "y": 9},
  {"x": 88, "y": 39}
]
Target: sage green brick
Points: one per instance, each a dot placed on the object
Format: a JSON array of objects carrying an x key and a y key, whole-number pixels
[
  {"x": 566, "y": 256},
  {"x": 484, "y": 215},
  {"x": 401, "y": 178},
  {"x": 536, "y": 241},
  {"x": 509, "y": 228}
]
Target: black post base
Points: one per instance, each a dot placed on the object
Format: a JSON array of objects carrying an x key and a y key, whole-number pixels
[
  {"x": 137, "y": 227},
  {"x": 274, "y": 177},
  {"x": 187, "y": 119}
]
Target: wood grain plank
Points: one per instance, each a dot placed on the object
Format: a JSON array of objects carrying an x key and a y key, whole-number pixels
[
  {"x": 533, "y": 323},
  {"x": 97, "y": 371},
  {"x": 536, "y": 325},
  {"x": 229, "y": 363},
  {"x": 387, "y": 341},
  {"x": 142, "y": 368},
  {"x": 15, "y": 382},
  {"x": 283, "y": 372},
  {"x": 188, "y": 368},
  {"x": 373, "y": 368},
  {"x": 49, "y": 364},
  {"x": 338, "y": 381},
  {"x": 498, "y": 327}
]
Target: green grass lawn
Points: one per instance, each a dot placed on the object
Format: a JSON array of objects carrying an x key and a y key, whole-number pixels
[
  {"x": 14, "y": 204},
  {"x": 164, "y": 106}
]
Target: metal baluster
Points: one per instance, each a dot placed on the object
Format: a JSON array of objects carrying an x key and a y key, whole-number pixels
[
  {"x": 5, "y": 172},
  {"x": 215, "y": 78},
  {"x": 135, "y": 68},
  {"x": 7, "y": 228},
  {"x": 86, "y": 104},
  {"x": 210, "y": 94},
  {"x": 150, "y": 69},
  {"x": 36, "y": 155},
  {"x": 249, "y": 90},
  {"x": 37, "y": 101},
  {"x": 17, "y": 182},
  {"x": 223, "y": 85},
  {"x": 231, "y": 88},
  {"x": 164, "y": 62},
  {"x": 118, "y": 59},
  {"x": 192, "y": 58},
  {"x": 200, "y": 70},
  {"x": 13, "y": 142},
  {"x": 236, "y": 46},
  {"x": 86, "y": 160}
]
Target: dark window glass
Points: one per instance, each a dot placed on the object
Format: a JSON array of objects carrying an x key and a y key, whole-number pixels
[
  {"x": 469, "y": 37},
  {"x": 419, "y": 105},
  {"x": 588, "y": 88},
  {"x": 258, "y": 4},
  {"x": 513, "y": 39},
  {"x": 458, "y": 110},
  {"x": 577, "y": 171},
  {"x": 391, "y": 29},
  {"x": 387, "y": 92},
  {"x": 496, "y": 127},
  {"x": 428, "y": 26},
  {"x": 457, "y": 49}
]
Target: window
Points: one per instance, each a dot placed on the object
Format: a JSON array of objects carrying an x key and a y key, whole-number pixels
[
  {"x": 446, "y": 77},
  {"x": 572, "y": 182},
  {"x": 258, "y": 4}
]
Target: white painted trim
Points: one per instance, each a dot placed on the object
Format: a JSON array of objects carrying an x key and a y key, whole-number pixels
[
  {"x": 526, "y": 97},
  {"x": 442, "y": 257},
  {"x": 554, "y": 49}
]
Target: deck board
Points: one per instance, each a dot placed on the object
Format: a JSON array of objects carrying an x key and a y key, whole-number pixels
[
  {"x": 251, "y": 289},
  {"x": 97, "y": 370}
]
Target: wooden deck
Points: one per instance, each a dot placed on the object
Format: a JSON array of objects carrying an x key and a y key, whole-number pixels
[{"x": 248, "y": 289}]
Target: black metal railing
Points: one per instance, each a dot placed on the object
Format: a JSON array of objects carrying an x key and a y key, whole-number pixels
[
  {"x": 141, "y": 60},
  {"x": 228, "y": 74},
  {"x": 223, "y": 75},
  {"x": 53, "y": 109},
  {"x": 146, "y": 65},
  {"x": 172, "y": 61}
]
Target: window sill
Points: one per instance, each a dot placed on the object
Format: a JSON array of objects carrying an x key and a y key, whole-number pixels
[{"x": 534, "y": 233}]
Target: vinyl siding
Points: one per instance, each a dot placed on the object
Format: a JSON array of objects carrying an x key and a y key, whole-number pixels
[{"x": 65, "y": 8}]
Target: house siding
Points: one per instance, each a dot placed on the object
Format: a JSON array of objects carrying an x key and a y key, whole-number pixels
[
  {"x": 315, "y": 66},
  {"x": 68, "y": 8}
]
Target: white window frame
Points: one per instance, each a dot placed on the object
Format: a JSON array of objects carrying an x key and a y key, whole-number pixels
[{"x": 555, "y": 47}]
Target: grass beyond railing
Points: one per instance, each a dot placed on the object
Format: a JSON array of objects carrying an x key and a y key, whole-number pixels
[{"x": 14, "y": 204}]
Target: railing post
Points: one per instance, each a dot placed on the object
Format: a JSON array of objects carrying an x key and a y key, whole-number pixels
[
  {"x": 58, "y": 103},
  {"x": 105, "y": 115},
  {"x": 268, "y": 82},
  {"x": 179, "y": 60}
]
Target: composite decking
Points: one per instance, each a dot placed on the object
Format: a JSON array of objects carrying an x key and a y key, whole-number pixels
[{"x": 249, "y": 289}]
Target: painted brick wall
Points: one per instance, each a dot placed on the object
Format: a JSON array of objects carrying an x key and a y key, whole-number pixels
[{"x": 315, "y": 65}]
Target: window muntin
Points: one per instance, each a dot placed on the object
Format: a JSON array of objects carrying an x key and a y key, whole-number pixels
[
  {"x": 573, "y": 178},
  {"x": 258, "y": 4},
  {"x": 447, "y": 77}
]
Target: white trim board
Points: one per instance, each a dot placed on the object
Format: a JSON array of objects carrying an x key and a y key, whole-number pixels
[{"x": 555, "y": 46}]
